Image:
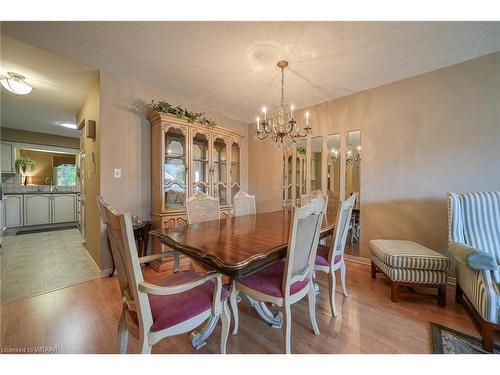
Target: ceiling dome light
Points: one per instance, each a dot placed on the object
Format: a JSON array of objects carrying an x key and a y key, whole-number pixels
[{"x": 15, "y": 84}]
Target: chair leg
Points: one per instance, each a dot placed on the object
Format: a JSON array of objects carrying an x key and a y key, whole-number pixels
[
  {"x": 394, "y": 292},
  {"x": 226, "y": 323},
  {"x": 487, "y": 332},
  {"x": 342, "y": 278},
  {"x": 287, "y": 327},
  {"x": 122, "y": 334},
  {"x": 374, "y": 270},
  {"x": 458, "y": 294},
  {"x": 144, "y": 347},
  {"x": 311, "y": 297},
  {"x": 176, "y": 263},
  {"x": 332, "y": 284},
  {"x": 442, "y": 295},
  {"x": 234, "y": 307}
]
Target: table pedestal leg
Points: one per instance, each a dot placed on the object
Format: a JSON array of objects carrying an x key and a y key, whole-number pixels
[
  {"x": 261, "y": 308},
  {"x": 200, "y": 335}
]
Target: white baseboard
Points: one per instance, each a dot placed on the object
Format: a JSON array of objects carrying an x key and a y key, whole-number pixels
[{"x": 357, "y": 259}]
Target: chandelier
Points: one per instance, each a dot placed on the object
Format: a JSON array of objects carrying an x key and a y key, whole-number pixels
[
  {"x": 281, "y": 124},
  {"x": 353, "y": 156},
  {"x": 334, "y": 157}
]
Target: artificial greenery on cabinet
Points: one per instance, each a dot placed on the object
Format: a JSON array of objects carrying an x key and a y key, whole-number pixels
[{"x": 182, "y": 113}]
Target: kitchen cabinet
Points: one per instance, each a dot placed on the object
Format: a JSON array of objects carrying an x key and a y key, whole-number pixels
[
  {"x": 37, "y": 209},
  {"x": 64, "y": 208},
  {"x": 13, "y": 211},
  {"x": 8, "y": 157}
]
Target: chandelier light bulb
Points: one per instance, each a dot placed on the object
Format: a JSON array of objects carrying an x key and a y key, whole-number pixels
[{"x": 257, "y": 119}]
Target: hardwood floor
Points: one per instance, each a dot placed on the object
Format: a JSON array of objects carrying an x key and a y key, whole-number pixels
[{"x": 83, "y": 319}]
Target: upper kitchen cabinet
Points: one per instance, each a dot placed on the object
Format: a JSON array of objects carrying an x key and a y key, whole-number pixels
[{"x": 8, "y": 157}]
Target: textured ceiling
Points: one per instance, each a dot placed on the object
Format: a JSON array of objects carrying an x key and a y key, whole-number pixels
[
  {"x": 60, "y": 86},
  {"x": 229, "y": 67}
]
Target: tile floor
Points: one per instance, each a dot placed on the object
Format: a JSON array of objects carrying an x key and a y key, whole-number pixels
[{"x": 31, "y": 264}]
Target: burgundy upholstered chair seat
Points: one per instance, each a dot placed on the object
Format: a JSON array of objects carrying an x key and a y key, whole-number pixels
[
  {"x": 174, "y": 309},
  {"x": 269, "y": 281},
  {"x": 322, "y": 256}
]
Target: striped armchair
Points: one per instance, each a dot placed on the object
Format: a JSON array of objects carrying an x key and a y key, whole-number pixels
[{"x": 474, "y": 227}]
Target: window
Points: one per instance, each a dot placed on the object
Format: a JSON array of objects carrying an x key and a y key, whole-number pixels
[{"x": 66, "y": 175}]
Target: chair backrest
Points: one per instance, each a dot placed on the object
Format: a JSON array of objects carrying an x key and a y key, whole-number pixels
[
  {"x": 474, "y": 219},
  {"x": 344, "y": 215},
  {"x": 201, "y": 207},
  {"x": 244, "y": 204},
  {"x": 303, "y": 242},
  {"x": 121, "y": 238},
  {"x": 306, "y": 198}
]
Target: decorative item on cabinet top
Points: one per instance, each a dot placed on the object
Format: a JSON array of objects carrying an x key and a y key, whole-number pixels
[{"x": 187, "y": 157}]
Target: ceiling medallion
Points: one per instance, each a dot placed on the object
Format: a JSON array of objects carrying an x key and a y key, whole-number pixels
[{"x": 281, "y": 124}]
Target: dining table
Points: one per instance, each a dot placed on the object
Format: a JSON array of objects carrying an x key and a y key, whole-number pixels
[{"x": 237, "y": 247}]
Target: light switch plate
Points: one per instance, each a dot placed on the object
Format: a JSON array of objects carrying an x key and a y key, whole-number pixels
[{"x": 117, "y": 173}]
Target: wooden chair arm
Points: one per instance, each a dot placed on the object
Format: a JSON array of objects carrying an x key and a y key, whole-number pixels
[{"x": 159, "y": 290}]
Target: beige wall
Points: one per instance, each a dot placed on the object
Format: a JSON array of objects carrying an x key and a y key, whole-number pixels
[
  {"x": 126, "y": 142},
  {"x": 90, "y": 111},
  {"x": 24, "y": 136},
  {"x": 421, "y": 137}
]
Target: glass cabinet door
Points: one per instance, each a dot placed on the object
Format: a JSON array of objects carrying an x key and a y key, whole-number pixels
[
  {"x": 235, "y": 169},
  {"x": 200, "y": 173},
  {"x": 220, "y": 170},
  {"x": 174, "y": 169}
]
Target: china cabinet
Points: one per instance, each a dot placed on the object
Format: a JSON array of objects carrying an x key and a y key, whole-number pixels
[{"x": 186, "y": 158}]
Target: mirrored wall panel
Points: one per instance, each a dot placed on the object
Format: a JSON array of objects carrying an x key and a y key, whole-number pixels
[
  {"x": 300, "y": 170},
  {"x": 316, "y": 159},
  {"x": 333, "y": 170},
  {"x": 352, "y": 183},
  {"x": 287, "y": 179}
]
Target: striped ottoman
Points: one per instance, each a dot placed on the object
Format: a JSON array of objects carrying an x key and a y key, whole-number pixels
[{"x": 407, "y": 263}]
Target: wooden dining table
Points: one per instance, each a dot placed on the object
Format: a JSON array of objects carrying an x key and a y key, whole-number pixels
[{"x": 237, "y": 247}]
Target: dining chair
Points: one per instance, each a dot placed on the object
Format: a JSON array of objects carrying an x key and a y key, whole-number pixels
[
  {"x": 307, "y": 198},
  {"x": 244, "y": 204},
  {"x": 176, "y": 305},
  {"x": 329, "y": 259},
  {"x": 287, "y": 281},
  {"x": 202, "y": 207}
]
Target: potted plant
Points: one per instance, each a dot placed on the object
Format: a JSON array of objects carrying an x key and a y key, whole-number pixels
[{"x": 23, "y": 165}]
